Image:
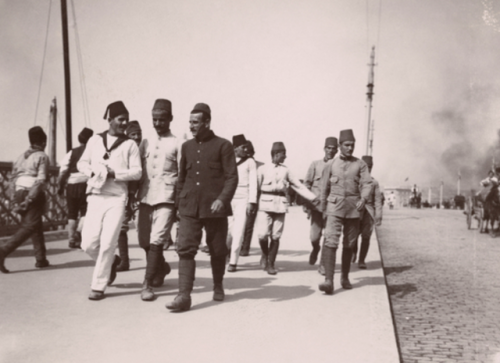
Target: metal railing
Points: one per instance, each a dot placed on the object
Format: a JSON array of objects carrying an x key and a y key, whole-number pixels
[{"x": 55, "y": 216}]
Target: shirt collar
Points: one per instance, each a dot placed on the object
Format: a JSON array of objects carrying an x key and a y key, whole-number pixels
[{"x": 205, "y": 136}]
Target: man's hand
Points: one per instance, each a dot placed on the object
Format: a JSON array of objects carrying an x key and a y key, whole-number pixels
[
  {"x": 317, "y": 204},
  {"x": 251, "y": 208},
  {"x": 217, "y": 206},
  {"x": 361, "y": 204}
]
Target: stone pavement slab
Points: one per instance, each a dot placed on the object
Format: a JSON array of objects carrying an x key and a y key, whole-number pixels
[{"x": 45, "y": 315}]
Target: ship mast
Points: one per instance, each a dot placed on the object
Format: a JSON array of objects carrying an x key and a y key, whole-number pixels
[
  {"x": 369, "y": 99},
  {"x": 67, "y": 80}
]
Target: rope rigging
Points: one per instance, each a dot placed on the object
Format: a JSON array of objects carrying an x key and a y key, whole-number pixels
[{"x": 43, "y": 62}]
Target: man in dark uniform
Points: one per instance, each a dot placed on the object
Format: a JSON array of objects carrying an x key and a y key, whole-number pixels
[
  {"x": 207, "y": 181},
  {"x": 370, "y": 216},
  {"x": 345, "y": 187},
  {"x": 312, "y": 182},
  {"x": 28, "y": 182},
  {"x": 75, "y": 184}
]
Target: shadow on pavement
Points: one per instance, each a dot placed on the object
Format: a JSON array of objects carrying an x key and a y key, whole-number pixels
[
  {"x": 401, "y": 290},
  {"x": 396, "y": 269},
  {"x": 73, "y": 264},
  {"x": 31, "y": 253}
]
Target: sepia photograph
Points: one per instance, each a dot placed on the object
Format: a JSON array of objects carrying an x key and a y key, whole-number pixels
[{"x": 250, "y": 181}]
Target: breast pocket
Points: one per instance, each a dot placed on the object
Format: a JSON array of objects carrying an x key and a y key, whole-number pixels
[{"x": 334, "y": 179}]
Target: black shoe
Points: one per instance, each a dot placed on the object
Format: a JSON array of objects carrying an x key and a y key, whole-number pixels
[
  {"x": 362, "y": 265},
  {"x": 205, "y": 249},
  {"x": 326, "y": 287},
  {"x": 2, "y": 261},
  {"x": 180, "y": 303},
  {"x": 263, "y": 262},
  {"x": 313, "y": 257},
  {"x": 96, "y": 295},
  {"x": 346, "y": 284},
  {"x": 123, "y": 266},
  {"x": 73, "y": 244},
  {"x": 42, "y": 263},
  {"x": 244, "y": 253},
  {"x": 112, "y": 275},
  {"x": 231, "y": 268},
  {"x": 218, "y": 292}
]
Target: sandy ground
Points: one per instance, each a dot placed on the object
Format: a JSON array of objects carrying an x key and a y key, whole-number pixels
[{"x": 45, "y": 315}]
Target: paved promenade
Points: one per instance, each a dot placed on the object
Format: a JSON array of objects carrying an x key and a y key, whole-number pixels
[
  {"x": 444, "y": 286},
  {"x": 45, "y": 315}
]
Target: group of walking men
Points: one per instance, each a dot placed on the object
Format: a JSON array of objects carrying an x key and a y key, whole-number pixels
[{"x": 206, "y": 183}]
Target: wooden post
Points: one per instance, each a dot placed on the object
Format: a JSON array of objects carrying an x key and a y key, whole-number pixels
[
  {"x": 53, "y": 132},
  {"x": 429, "y": 196},
  {"x": 67, "y": 75}
]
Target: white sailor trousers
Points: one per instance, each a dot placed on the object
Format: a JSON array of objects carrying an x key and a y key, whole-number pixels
[
  {"x": 100, "y": 232},
  {"x": 236, "y": 228}
]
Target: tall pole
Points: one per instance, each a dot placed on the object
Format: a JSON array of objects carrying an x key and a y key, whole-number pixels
[
  {"x": 53, "y": 132},
  {"x": 369, "y": 99},
  {"x": 429, "y": 196},
  {"x": 67, "y": 81},
  {"x": 441, "y": 195},
  {"x": 458, "y": 182}
]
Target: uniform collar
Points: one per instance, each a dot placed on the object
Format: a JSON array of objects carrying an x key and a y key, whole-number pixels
[
  {"x": 209, "y": 134},
  {"x": 345, "y": 158}
]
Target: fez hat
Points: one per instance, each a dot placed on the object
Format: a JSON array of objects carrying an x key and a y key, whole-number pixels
[
  {"x": 133, "y": 126},
  {"x": 239, "y": 140},
  {"x": 331, "y": 141},
  {"x": 346, "y": 135},
  {"x": 368, "y": 160},
  {"x": 115, "y": 109},
  {"x": 36, "y": 135},
  {"x": 250, "y": 148},
  {"x": 85, "y": 135},
  {"x": 163, "y": 105},
  {"x": 202, "y": 107},
  {"x": 278, "y": 146}
]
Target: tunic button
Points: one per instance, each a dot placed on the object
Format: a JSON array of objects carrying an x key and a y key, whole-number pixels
[
  {"x": 197, "y": 183},
  {"x": 198, "y": 162},
  {"x": 198, "y": 150},
  {"x": 197, "y": 172}
]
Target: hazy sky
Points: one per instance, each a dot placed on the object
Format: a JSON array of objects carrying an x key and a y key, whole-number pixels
[{"x": 292, "y": 71}]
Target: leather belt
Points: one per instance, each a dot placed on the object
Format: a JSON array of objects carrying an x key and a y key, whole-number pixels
[{"x": 281, "y": 194}]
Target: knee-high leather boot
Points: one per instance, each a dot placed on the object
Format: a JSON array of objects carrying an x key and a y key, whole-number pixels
[
  {"x": 264, "y": 246},
  {"x": 182, "y": 301},
  {"x": 354, "y": 250},
  {"x": 273, "y": 252},
  {"x": 218, "y": 268},
  {"x": 14, "y": 242},
  {"x": 163, "y": 267},
  {"x": 123, "y": 251},
  {"x": 72, "y": 233},
  {"x": 313, "y": 257},
  {"x": 152, "y": 266},
  {"x": 346, "y": 266},
  {"x": 363, "y": 251},
  {"x": 329, "y": 264}
]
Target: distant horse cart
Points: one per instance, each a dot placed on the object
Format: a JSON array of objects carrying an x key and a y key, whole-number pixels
[
  {"x": 485, "y": 208},
  {"x": 415, "y": 200}
]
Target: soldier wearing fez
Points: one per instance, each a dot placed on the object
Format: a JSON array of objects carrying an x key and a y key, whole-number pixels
[
  {"x": 345, "y": 188},
  {"x": 273, "y": 181},
  {"x": 312, "y": 182},
  {"x": 28, "y": 181},
  {"x": 244, "y": 201},
  {"x": 157, "y": 196},
  {"x": 249, "y": 224},
  {"x": 370, "y": 215},
  {"x": 75, "y": 184},
  {"x": 111, "y": 160},
  {"x": 208, "y": 178},
  {"x": 133, "y": 132}
]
